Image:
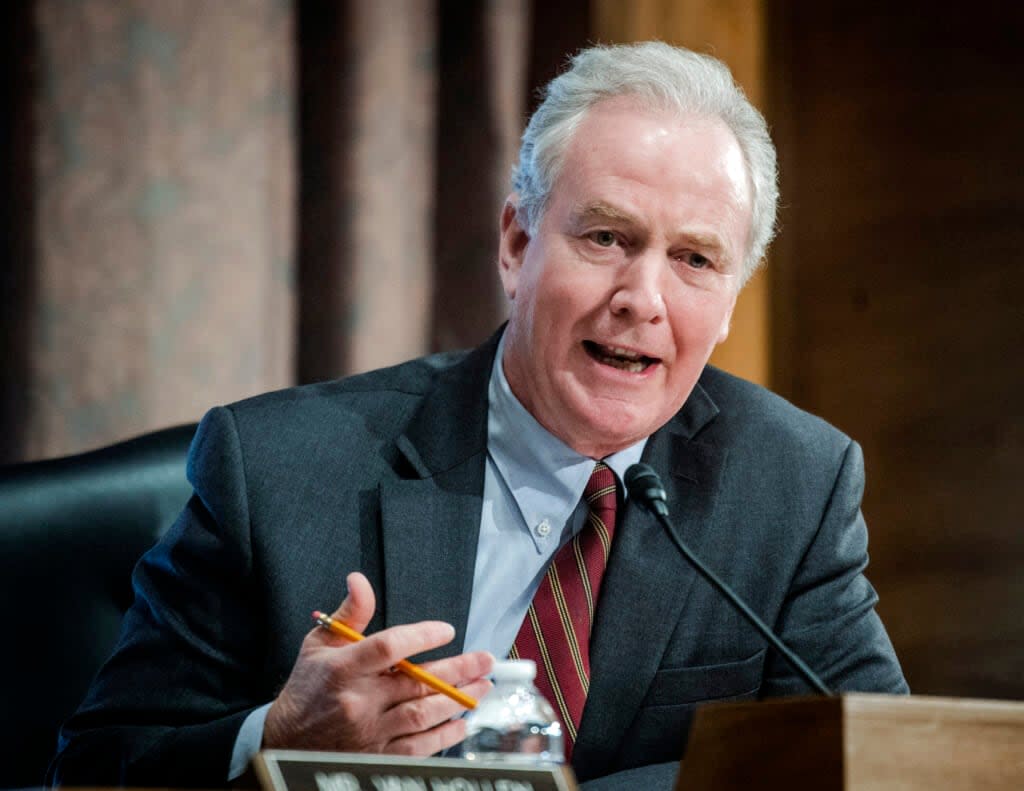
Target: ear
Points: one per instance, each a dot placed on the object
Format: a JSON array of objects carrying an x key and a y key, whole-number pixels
[
  {"x": 723, "y": 331},
  {"x": 512, "y": 245}
]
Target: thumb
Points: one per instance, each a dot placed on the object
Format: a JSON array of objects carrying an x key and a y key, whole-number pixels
[{"x": 358, "y": 607}]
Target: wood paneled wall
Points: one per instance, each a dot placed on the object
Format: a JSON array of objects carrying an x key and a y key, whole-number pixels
[{"x": 898, "y": 277}]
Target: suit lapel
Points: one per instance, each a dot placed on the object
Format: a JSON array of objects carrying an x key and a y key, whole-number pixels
[
  {"x": 430, "y": 510},
  {"x": 647, "y": 583}
]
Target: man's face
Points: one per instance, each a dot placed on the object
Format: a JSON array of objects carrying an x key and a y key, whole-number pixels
[{"x": 631, "y": 278}]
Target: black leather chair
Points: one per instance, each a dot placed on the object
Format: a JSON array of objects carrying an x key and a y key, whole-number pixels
[{"x": 71, "y": 531}]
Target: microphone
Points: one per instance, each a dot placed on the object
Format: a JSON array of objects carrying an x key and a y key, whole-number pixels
[{"x": 644, "y": 485}]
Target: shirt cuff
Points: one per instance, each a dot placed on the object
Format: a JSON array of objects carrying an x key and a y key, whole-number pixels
[{"x": 248, "y": 741}]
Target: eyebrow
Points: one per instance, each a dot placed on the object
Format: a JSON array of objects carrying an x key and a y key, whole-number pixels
[
  {"x": 709, "y": 241},
  {"x": 706, "y": 241},
  {"x": 604, "y": 211}
]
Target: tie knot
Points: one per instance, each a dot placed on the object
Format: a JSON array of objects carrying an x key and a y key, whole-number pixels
[{"x": 602, "y": 488}]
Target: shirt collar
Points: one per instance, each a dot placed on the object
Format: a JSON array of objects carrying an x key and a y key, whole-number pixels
[{"x": 545, "y": 476}]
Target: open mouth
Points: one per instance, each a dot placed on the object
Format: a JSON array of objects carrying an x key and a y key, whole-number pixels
[{"x": 617, "y": 357}]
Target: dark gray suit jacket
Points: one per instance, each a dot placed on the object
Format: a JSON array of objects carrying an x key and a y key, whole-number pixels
[{"x": 384, "y": 473}]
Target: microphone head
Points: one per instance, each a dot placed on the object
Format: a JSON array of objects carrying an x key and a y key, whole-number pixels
[{"x": 644, "y": 485}]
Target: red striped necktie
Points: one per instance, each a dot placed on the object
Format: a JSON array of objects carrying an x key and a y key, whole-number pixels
[{"x": 556, "y": 630}]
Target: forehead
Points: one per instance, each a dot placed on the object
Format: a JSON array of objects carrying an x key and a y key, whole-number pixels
[
  {"x": 624, "y": 130},
  {"x": 635, "y": 163}
]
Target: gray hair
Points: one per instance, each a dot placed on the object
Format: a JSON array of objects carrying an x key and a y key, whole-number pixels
[{"x": 661, "y": 77}]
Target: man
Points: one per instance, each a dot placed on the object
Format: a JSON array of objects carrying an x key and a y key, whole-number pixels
[{"x": 439, "y": 491}]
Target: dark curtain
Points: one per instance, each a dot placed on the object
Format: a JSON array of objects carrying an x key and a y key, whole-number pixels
[{"x": 206, "y": 201}]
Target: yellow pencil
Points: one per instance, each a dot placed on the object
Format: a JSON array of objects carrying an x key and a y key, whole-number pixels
[{"x": 407, "y": 667}]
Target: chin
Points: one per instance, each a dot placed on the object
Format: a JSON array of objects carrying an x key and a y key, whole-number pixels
[
  {"x": 603, "y": 438},
  {"x": 597, "y": 424}
]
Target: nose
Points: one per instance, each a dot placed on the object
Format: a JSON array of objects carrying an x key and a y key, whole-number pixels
[{"x": 637, "y": 294}]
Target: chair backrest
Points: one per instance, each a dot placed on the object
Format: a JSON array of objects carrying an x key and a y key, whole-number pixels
[{"x": 71, "y": 531}]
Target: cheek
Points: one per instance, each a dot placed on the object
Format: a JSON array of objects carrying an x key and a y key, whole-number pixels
[
  {"x": 559, "y": 296},
  {"x": 577, "y": 289},
  {"x": 701, "y": 321}
]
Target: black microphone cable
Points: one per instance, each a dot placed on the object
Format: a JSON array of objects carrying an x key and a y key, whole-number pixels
[{"x": 644, "y": 485}]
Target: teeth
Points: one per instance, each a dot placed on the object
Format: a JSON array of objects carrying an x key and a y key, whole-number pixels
[
  {"x": 620, "y": 352},
  {"x": 633, "y": 367},
  {"x": 620, "y": 358}
]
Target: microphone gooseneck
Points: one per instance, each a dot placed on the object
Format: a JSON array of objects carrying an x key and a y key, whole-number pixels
[{"x": 644, "y": 486}]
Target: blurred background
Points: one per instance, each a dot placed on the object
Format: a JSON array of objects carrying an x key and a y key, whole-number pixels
[{"x": 202, "y": 201}]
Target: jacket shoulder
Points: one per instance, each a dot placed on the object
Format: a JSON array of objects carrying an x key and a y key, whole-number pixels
[
  {"x": 767, "y": 419},
  {"x": 352, "y": 419},
  {"x": 382, "y": 391}
]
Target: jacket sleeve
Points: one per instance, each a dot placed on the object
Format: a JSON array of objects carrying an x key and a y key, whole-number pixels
[
  {"x": 167, "y": 706},
  {"x": 828, "y": 617}
]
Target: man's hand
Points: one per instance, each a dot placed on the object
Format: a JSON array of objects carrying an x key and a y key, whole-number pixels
[{"x": 343, "y": 696}]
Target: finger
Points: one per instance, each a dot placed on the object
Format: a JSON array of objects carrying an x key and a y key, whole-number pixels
[
  {"x": 382, "y": 651},
  {"x": 422, "y": 715},
  {"x": 359, "y": 605},
  {"x": 427, "y": 743},
  {"x": 456, "y": 670},
  {"x": 461, "y": 669},
  {"x": 425, "y": 713},
  {"x": 355, "y": 611}
]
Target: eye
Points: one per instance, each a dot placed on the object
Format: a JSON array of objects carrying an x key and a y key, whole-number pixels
[
  {"x": 694, "y": 260},
  {"x": 603, "y": 238}
]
